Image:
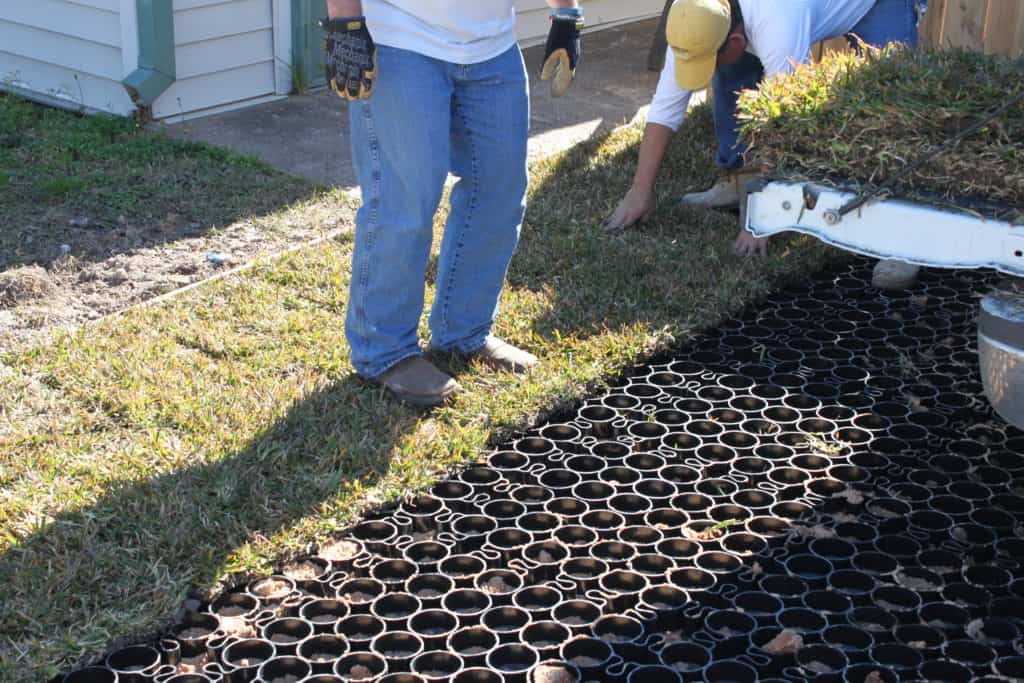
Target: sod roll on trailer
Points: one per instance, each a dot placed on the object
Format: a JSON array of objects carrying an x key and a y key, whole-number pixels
[{"x": 857, "y": 120}]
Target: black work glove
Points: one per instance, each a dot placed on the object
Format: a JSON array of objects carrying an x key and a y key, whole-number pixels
[
  {"x": 562, "y": 53},
  {"x": 351, "y": 57}
]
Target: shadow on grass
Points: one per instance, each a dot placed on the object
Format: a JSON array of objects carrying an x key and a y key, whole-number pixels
[{"x": 142, "y": 543}]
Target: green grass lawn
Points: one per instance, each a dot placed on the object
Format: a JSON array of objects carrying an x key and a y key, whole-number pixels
[{"x": 181, "y": 446}]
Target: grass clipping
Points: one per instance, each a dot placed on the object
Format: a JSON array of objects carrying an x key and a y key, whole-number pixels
[{"x": 856, "y": 120}]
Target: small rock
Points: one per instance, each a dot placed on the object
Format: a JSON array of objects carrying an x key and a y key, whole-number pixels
[
  {"x": 116, "y": 276},
  {"x": 79, "y": 222},
  {"x": 339, "y": 550},
  {"x": 787, "y": 642},
  {"x": 974, "y": 630},
  {"x": 819, "y": 667},
  {"x": 302, "y": 570},
  {"x": 552, "y": 673},
  {"x": 852, "y": 496},
  {"x": 359, "y": 672},
  {"x": 914, "y": 583},
  {"x": 217, "y": 259},
  {"x": 813, "y": 531},
  {"x": 497, "y": 584}
]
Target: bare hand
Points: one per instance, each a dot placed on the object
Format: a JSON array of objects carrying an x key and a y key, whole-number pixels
[
  {"x": 748, "y": 245},
  {"x": 635, "y": 207}
]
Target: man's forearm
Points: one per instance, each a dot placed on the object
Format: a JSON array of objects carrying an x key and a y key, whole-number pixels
[
  {"x": 652, "y": 151},
  {"x": 559, "y": 4},
  {"x": 344, "y": 8}
]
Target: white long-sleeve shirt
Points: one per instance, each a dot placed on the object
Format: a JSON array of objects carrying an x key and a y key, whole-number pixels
[{"x": 779, "y": 32}]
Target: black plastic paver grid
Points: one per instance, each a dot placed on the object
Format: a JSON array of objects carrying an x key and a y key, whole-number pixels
[{"x": 814, "y": 491}]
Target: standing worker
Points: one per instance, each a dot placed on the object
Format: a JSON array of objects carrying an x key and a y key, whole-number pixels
[
  {"x": 734, "y": 45},
  {"x": 440, "y": 86}
]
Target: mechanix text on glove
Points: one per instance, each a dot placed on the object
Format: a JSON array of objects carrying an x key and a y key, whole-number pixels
[{"x": 351, "y": 57}]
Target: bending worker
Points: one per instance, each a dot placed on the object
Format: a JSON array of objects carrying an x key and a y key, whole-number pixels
[
  {"x": 436, "y": 86},
  {"x": 734, "y": 45}
]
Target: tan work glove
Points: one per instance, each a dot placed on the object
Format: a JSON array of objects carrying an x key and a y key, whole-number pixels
[{"x": 562, "y": 52}]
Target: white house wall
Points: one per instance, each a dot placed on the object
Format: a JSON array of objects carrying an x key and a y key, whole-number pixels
[
  {"x": 66, "y": 51},
  {"x": 532, "y": 26},
  {"x": 75, "y": 52},
  {"x": 224, "y": 53}
]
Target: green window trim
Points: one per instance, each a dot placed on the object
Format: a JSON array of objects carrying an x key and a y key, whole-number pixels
[{"x": 156, "y": 70}]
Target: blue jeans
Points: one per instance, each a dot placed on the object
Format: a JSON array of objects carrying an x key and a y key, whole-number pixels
[
  {"x": 427, "y": 117},
  {"x": 888, "y": 21}
]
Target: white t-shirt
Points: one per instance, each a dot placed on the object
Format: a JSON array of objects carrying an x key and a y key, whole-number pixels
[
  {"x": 457, "y": 31},
  {"x": 779, "y": 33}
]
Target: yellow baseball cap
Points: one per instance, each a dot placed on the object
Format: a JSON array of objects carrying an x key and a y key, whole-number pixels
[{"x": 696, "y": 30}]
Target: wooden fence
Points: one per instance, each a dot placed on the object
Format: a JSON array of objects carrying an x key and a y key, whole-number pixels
[{"x": 994, "y": 26}]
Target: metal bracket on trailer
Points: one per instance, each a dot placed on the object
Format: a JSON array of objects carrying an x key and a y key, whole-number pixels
[{"x": 887, "y": 228}]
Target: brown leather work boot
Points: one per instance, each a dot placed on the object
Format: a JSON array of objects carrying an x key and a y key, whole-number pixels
[
  {"x": 501, "y": 355},
  {"x": 417, "y": 382}
]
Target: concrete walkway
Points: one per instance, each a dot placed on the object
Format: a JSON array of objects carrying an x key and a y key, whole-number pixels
[{"x": 308, "y": 135}]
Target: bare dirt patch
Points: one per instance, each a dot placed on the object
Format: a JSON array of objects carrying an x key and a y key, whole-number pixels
[
  {"x": 97, "y": 214},
  {"x": 82, "y": 284}
]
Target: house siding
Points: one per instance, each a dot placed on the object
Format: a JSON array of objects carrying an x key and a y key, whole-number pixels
[
  {"x": 224, "y": 53},
  {"x": 76, "y": 52},
  {"x": 532, "y": 25},
  {"x": 67, "y": 51}
]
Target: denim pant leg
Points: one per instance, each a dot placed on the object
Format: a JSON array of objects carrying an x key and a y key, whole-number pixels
[
  {"x": 490, "y": 124},
  {"x": 400, "y": 149},
  {"x": 726, "y": 84},
  {"x": 889, "y": 21}
]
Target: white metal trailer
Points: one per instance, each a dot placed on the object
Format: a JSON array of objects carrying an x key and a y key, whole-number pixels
[{"x": 928, "y": 236}]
